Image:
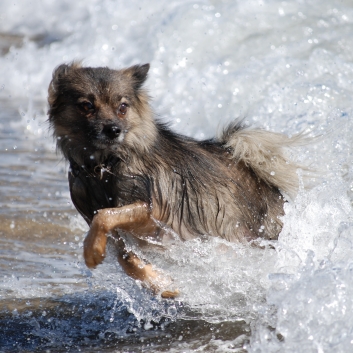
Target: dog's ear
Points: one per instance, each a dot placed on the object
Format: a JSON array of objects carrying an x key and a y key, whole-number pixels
[
  {"x": 59, "y": 73},
  {"x": 138, "y": 74}
]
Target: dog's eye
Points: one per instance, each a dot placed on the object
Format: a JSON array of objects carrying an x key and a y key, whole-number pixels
[
  {"x": 123, "y": 108},
  {"x": 86, "y": 106}
]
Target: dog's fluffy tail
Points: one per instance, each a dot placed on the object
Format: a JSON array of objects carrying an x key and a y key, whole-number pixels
[{"x": 265, "y": 153}]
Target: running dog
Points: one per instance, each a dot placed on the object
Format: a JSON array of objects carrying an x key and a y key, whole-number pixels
[{"x": 129, "y": 173}]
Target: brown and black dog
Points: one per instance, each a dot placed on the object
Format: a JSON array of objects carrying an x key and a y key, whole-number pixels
[{"x": 129, "y": 173}]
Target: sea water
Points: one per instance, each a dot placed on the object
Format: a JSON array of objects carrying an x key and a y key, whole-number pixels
[{"x": 285, "y": 66}]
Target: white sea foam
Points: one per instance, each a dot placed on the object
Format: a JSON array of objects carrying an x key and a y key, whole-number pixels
[{"x": 286, "y": 66}]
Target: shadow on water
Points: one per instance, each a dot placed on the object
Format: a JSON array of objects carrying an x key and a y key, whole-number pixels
[{"x": 90, "y": 322}]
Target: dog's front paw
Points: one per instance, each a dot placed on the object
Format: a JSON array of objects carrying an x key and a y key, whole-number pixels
[{"x": 94, "y": 249}]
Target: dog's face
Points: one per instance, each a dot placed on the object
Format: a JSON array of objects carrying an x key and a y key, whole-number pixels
[{"x": 98, "y": 109}]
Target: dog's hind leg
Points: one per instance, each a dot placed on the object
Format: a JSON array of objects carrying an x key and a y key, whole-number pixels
[
  {"x": 137, "y": 269},
  {"x": 134, "y": 218}
]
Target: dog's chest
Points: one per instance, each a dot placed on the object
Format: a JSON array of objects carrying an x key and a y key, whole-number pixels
[{"x": 94, "y": 190}]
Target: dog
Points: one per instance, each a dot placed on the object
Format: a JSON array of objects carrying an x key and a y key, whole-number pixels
[{"x": 131, "y": 174}]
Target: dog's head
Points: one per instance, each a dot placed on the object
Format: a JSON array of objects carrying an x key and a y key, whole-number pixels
[{"x": 99, "y": 111}]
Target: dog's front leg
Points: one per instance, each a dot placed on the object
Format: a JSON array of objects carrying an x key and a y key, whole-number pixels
[
  {"x": 134, "y": 218},
  {"x": 130, "y": 218}
]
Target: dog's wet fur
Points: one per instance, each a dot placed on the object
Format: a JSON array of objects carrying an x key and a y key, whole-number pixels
[{"x": 124, "y": 160}]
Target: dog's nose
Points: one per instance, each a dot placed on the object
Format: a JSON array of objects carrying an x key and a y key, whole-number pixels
[{"x": 111, "y": 131}]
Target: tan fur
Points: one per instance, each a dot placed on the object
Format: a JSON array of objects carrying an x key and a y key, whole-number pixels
[
  {"x": 147, "y": 125},
  {"x": 265, "y": 153}
]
